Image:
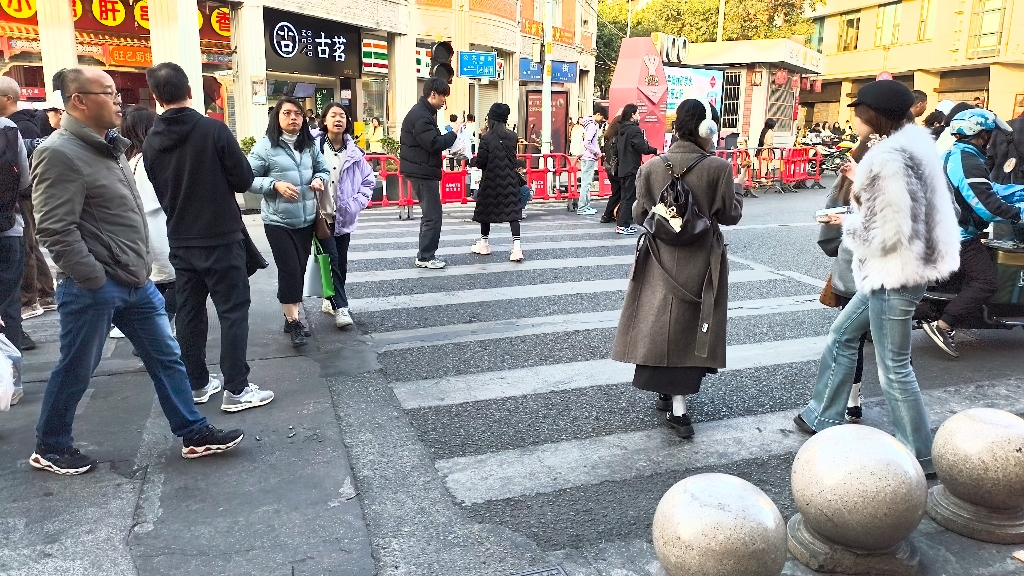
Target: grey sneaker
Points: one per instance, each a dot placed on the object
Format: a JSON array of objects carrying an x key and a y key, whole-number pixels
[
  {"x": 202, "y": 395},
  {"x": 432, "y": 264},
  {"x": 342, "y": 319},
  {"x": 250, "y": 397}
]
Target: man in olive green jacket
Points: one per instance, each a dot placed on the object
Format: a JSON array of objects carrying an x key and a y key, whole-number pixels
[{"x": 89, "y": 217}]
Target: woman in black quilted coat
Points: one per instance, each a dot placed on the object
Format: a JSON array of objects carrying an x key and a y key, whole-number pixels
[{"x": 498, "y": 199}]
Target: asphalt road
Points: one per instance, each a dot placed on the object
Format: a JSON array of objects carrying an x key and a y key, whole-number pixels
[
  {"x": 471, "y": 423},
  {"x": 495, "y": 438}
]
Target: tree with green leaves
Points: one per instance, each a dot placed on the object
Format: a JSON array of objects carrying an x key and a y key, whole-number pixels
[{"x": 696, "y": 20}]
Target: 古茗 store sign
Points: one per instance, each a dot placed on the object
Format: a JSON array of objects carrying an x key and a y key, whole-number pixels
[{"x": 671, "y": 48}]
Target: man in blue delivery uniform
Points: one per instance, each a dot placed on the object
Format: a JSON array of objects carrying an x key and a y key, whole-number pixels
[{"x": 980, "y": 203}]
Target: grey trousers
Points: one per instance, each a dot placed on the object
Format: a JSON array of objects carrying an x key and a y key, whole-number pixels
[{"x": 428, "y": 192}]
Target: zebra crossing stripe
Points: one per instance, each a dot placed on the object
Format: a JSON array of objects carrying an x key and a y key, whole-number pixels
[
  {"x": 472, "y": 269},
  {"x": 494, "y": 232},
  {"x": 527, "y": 247},
  {"x": 557, "y": 377},
  {"x": 547, "y": 468}
]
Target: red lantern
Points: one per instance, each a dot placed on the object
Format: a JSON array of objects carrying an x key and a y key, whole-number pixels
[
  {"x": 781, "y": 76},
  {"x": 817, "y": 85}
]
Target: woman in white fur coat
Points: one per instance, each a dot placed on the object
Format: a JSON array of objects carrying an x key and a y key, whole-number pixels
[{"x": 904, "y": 235}]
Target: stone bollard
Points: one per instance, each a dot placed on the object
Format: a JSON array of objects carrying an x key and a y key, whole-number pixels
[
  {"x": 719, "y": 525},
  {"x": 979, "y": 458},
  {"x": 859, "y": 493}
]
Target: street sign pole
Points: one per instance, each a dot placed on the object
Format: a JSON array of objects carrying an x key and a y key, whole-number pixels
[{"x": 545, "y": 99}]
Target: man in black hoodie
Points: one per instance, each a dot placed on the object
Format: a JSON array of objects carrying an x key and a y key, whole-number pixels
[
  {"x": 632, "y": 145},
  {"x": 196, "y": 167}
]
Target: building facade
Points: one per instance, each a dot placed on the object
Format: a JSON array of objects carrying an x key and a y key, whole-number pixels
[
  {"x": 372, "y": 55},
  {"x": 950, "y": 49}
]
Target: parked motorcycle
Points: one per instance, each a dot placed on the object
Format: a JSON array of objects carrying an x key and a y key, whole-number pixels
[
  {"x": 832, "y": 159},
  {"x": 1005, "y": 310}
]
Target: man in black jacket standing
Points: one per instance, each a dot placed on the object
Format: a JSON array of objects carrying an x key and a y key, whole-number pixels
[
  {"x": 631, "y": 146},
  {"x": 196, "y": 167},
  {"x": 422, "y": 144}
]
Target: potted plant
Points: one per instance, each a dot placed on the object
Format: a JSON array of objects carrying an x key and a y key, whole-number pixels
[
  {"x": 391, "y": 148},
  {"x": 251, "y": 202}
]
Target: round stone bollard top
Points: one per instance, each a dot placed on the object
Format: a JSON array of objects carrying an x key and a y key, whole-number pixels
[
  {"x": 979, "y": 457},
  {"x": 719, "y": 525},
  {"x": 859, "y": 487}
]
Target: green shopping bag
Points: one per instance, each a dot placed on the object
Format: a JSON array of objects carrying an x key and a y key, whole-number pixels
[{"x": 324, "y": 260}]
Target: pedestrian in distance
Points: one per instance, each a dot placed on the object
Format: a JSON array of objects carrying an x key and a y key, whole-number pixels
[
  {"x": 14, "y": 179},
  {"x": 841, "y": 280},
  {"x": 196, "y": 167},
  {"x": 673, "y": 322},
  {"x": 420, "y": 154},
  {"x": 631, "y": 146},
  {"x": 591, "y": 156},
  {"x": 374, "y": 136},
  {"x": 348, "y": 192},
  {"x": 920, "y": 104},
  {"x": 290, "y": 172},
  {"x": 498, "y": 199},
  {"x": 610, "y": 161},
  {"x": 903, "y": 234},
  {"x": 91, "y": 221},
  {"x": 576, "y": 135}
]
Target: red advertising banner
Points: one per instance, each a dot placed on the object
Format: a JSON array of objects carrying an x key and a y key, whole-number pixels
[
  {"x": 559, "y": 121},
  {"x": 116, "y": 17}
]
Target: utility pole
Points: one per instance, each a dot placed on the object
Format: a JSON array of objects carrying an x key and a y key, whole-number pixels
[
  {"x": 545, "y": 98},
  {"x": 629, "y": 17},
  {"x": 721, "y": 19}
]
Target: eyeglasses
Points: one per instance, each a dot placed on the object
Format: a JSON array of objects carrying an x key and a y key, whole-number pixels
[{"x": 112, "y": 96}]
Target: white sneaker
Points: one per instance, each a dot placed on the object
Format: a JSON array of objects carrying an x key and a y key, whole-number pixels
[
  {"x": 433, "y": 264},
  {"x": 31, "y": 311},
  {"x": 202, "y": 395},
  {"x": 342, "y": 318},
  {"x": 516, "y": 255},
  {"x": 250, "y": 397},
  {"x": 326, "y": 307},
  {"x": 115, "y": 333},
  {"x": 481, "y": 247},
  {"x": 18, "y": 393},
  {"x": 588, "y": 211}
]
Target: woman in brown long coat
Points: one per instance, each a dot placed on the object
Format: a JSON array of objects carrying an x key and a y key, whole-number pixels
[{"x": 674, "y": 340}]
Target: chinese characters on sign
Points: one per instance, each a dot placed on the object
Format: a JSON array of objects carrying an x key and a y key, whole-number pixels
[
  {"x": 110, "y": 12},
  {"x": 220, "y": 19},
  {"x": 478, "y": 64},
  {"x": 297, "y": 43}
]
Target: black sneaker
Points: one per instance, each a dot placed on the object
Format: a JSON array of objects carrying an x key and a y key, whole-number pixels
[
  {"x": 854, "y": 414},
  {"x": 803, "y": 425},
  {"x": 663, "y": 403},
  {"x": 27, "y": 343},
  {"x": 680, "y": 424},
  {"x": 305, "y": 329},
  {"x": 942, "y": 337},
  {"x": 607, "y": 220},
  {"x": 67, "y": 462},
  {"x": 210, "y": 440},
  {"x": 297, "y": 331}
]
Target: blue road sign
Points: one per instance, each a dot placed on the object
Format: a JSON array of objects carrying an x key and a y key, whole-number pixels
[{"x": 478, "y": 64}]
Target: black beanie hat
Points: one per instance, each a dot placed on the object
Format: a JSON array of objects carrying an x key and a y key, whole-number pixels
[
  {"x": 889, "y": 98},
  {"x": 499, "y": 112}
]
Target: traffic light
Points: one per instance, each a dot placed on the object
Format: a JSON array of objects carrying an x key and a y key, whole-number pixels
[{"x": 441, "y": 61}]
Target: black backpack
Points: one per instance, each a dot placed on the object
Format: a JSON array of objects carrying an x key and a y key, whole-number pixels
[
  {"x": 10, "y": 176},
  {"x": 611, "y": 155}
]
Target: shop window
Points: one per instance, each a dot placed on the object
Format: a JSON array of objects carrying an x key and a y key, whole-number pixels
[
  {"x": 781, "y": 100},
  {"x": 849, "y": 30},
  {"x": 926, "y": 28},
  {"x": 374, "y": 100},
  {"x": 986, "y": 28},
  {"x": 816, "y": 39},
  {"x": 887, "y": 24},
  {"x": 731, "y": 99}
]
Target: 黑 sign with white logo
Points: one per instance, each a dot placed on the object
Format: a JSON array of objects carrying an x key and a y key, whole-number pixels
[
  {"x": 478, "y": 64},
  {"x": 302, "y": 44}
]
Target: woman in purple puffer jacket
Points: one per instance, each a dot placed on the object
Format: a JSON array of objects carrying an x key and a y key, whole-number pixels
[{"x": 351, "y": 185}]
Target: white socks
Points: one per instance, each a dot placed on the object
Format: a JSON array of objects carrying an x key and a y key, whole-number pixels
[
  {"x": 678, "y": 405},
  {"x": 854, "y": 395}
]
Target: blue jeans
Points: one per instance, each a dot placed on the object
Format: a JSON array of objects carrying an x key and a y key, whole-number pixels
[
  {"x": 85, "y": 318},
  {"x": 586, "y": 179},
  {"x": 888, "y": 313}
]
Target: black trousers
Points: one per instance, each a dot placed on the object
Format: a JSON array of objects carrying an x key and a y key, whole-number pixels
[
  {"x": 337, "y": 248},
  {"x": 291, "y": 248},
  {"x": 614, "y": 199},
  {"x": 12, "y": 264},
  {"x": 980, "y": 283},
  {"x": 169, "y": 292},
  {"x": 628, "y": 198},
  {"x": 217, "y": 272},
  {"x": 428, "y": 192}
]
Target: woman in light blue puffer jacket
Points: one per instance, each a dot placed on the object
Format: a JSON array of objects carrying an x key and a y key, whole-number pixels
[{"x": 290, "y": 171}]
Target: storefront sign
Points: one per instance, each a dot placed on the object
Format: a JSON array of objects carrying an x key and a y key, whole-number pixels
[
  {"x": 478, "y": 64},
  {"x": 136, "y": 56},
  {"x": 375, "y": 56},
  {"x": 29, "y": 93},
  {"x": 306, "y": 45},
  {"x": 500, "y": 69},
  {"x": 564, "y": 72},
  {"x": 563, "y": 36},
  {"x": 323, "y": 97},
  {"x": 696, "y": 83},
  {"x": 19, "y": 8},
  {"x": 108, "y": 12},
  {"x": 423, "y": 62},
  {"x": 671, "y": 48},
  {"x": 220, "y": 20},
  {"x": 532, "y": 28}
]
